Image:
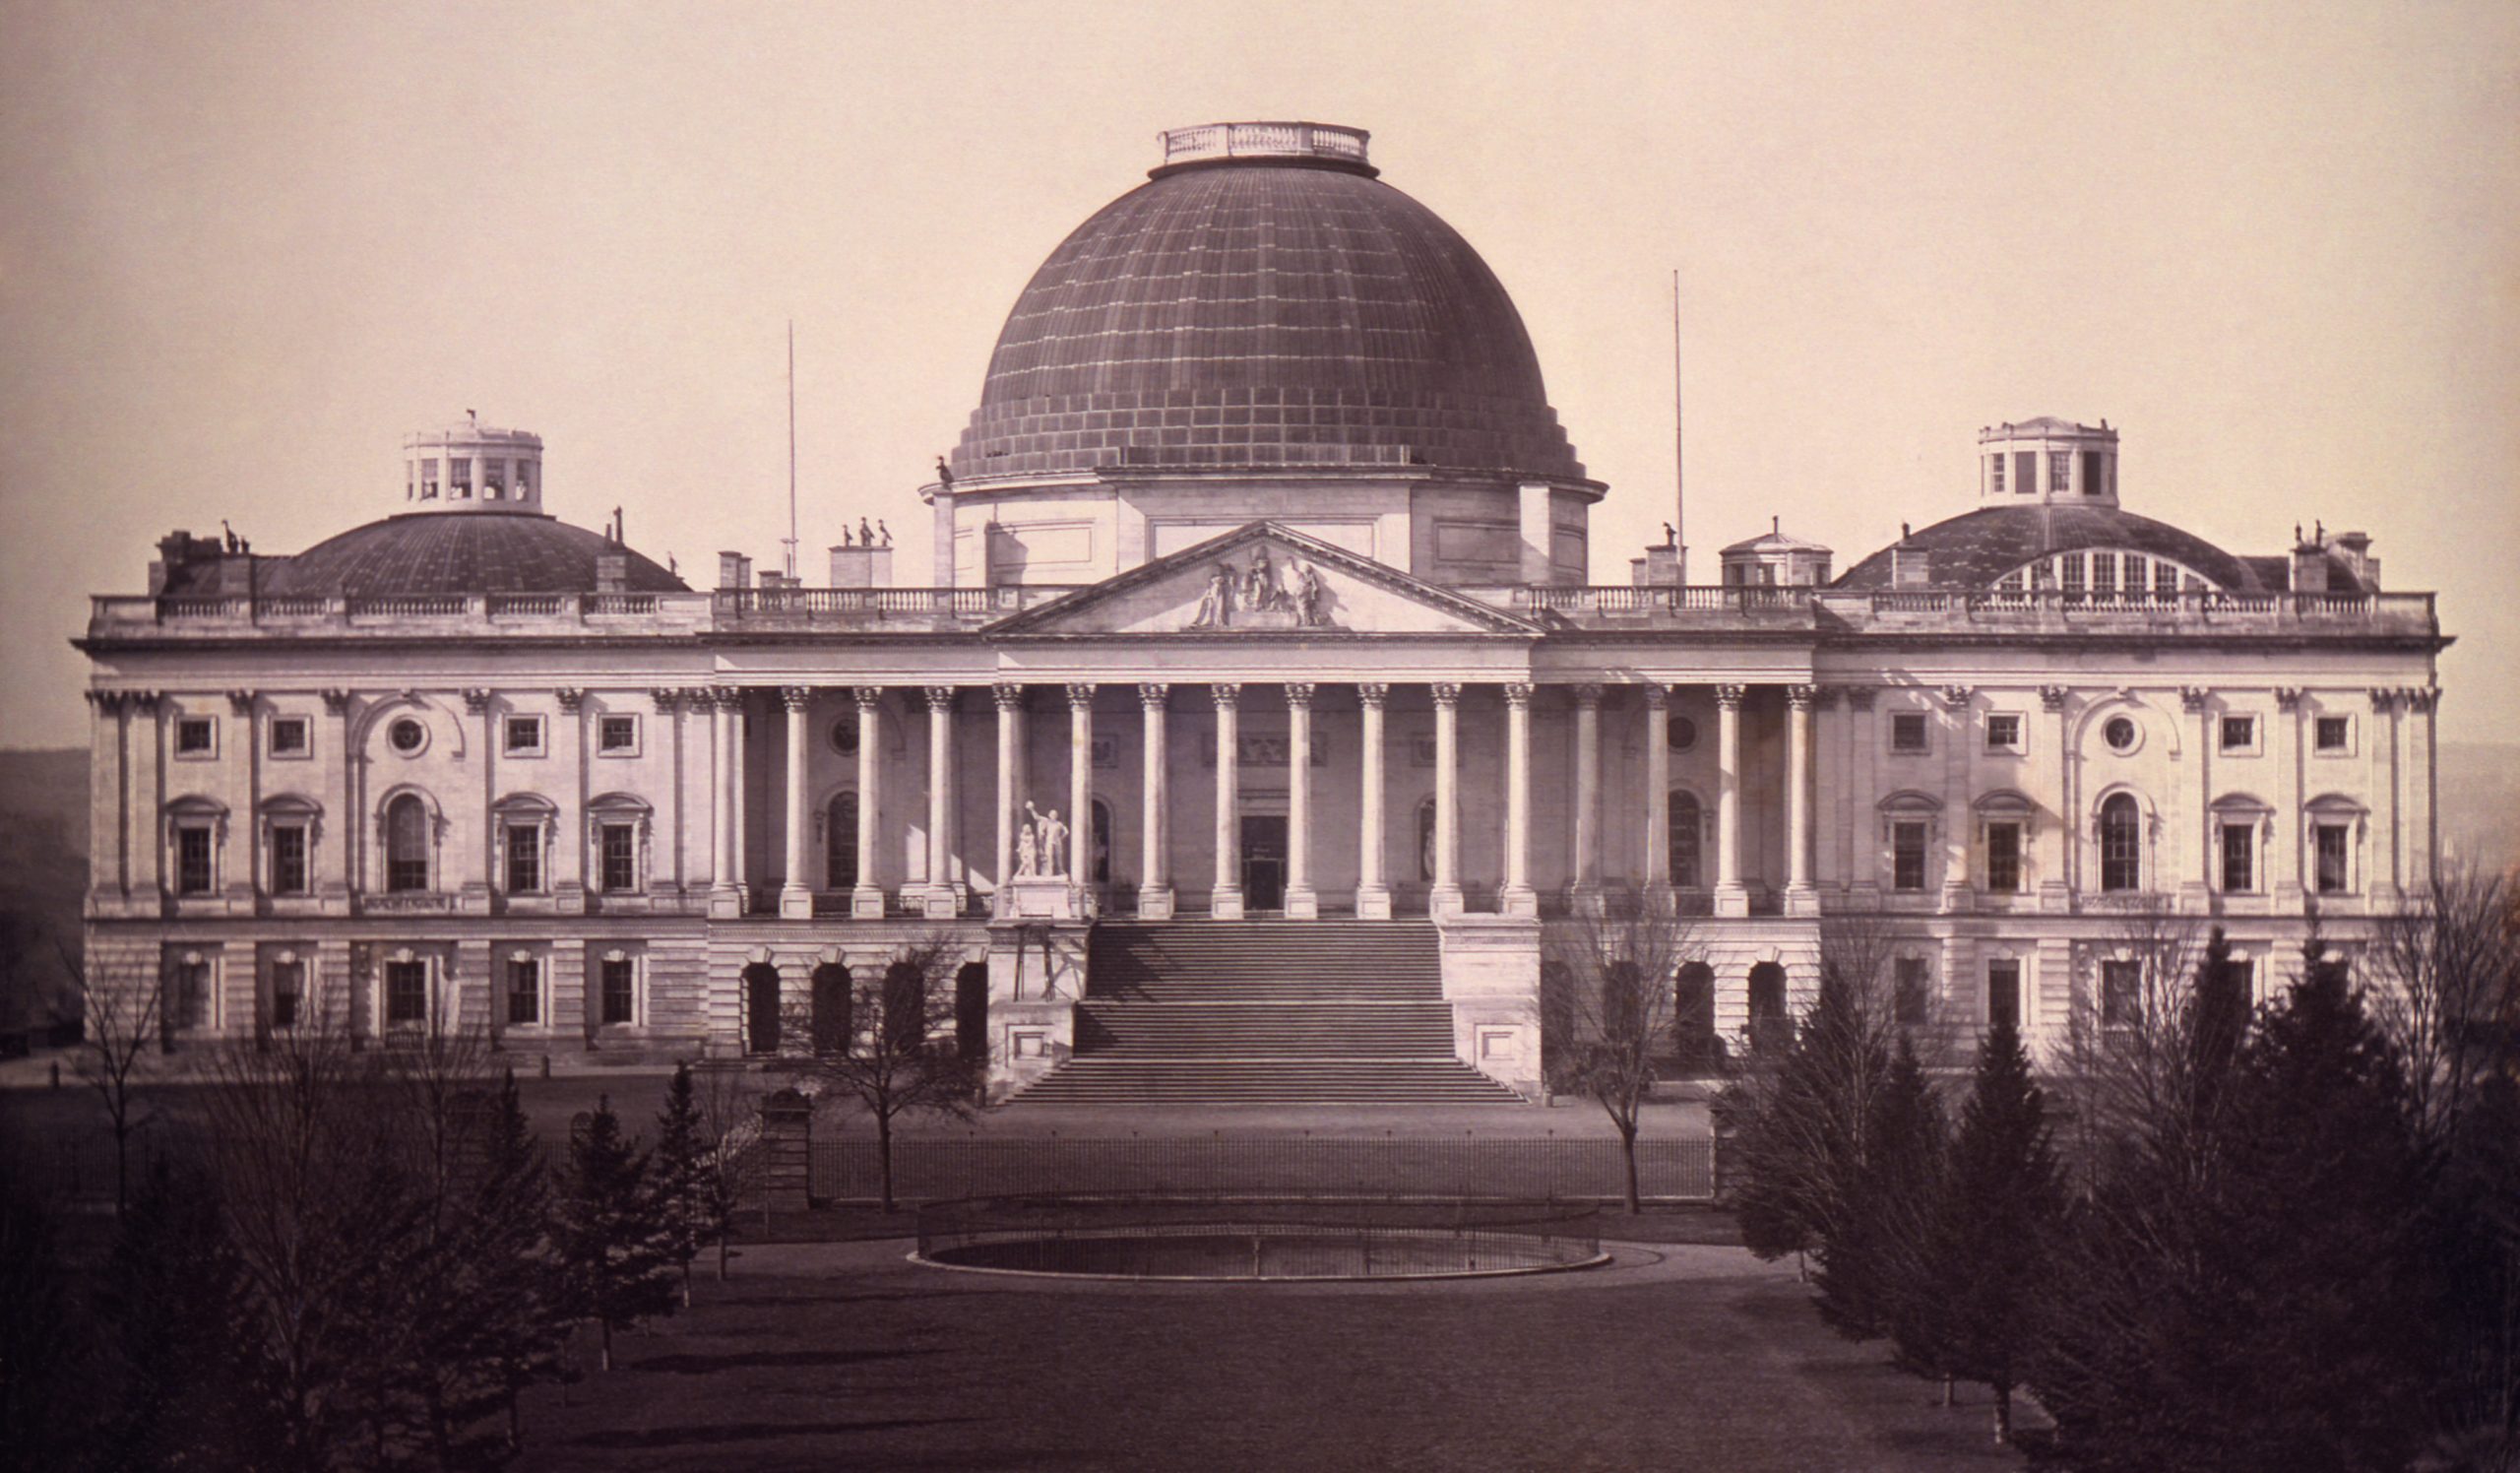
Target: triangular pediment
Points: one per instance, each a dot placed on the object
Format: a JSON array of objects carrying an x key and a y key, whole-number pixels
[{"x": 1263, "y": 581}]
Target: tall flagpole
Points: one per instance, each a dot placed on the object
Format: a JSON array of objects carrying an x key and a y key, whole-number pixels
[
  {"x": 790, "y": 542},
  {"x": 1679, "y": 476}
]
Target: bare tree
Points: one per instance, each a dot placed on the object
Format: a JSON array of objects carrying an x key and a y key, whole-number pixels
[
  {"x": 2446, "y": 975},
  {"x": 1608, "y": 1003},
  {"x": 124, "y": 1018},
  {"x": 2128, "y": 1063},
  {"x": 897, "y": 1056},
  {"x": 729, "y": 1105}
]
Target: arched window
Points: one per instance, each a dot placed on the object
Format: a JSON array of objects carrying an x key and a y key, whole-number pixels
[
  {"x": 1771, "y": 1031},
  {"x": 839, "y": 843},
  {"x": 1102, "y": 842},
  {"x": 831, "y": 1008},
  {"x": 971, "y": 1012},
  {"x": 904, "y": 1008},
  {"x": 2121, "y": 843},
  {"x": 407, "y": 844},
  {"x": 761, "y": 1008},
  {"x": 1693, "y": 1014},
  {"x": 1687, "y": 827}
]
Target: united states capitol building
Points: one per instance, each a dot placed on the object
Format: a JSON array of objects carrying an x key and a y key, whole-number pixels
[{"x": 1259, "y": 716}]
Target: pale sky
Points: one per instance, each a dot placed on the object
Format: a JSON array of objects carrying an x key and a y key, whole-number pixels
[{"x": 245, "y": 248}]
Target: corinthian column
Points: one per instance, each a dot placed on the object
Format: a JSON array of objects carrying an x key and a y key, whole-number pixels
[
  {"x": 1519, "y": 898},
  {"x": 795, "y": 897},
  {"x": 1226, "y": 899},
  {"x": 1801, "y": 898},
  {"x": 1301, "y": 903},
  {"x": 1373, "y": 887},
  {"x": 1010, "y": 766},
  {"x": 1658, "y": 792},
  {"x": 941, "y": 898},
  {"x": 1080, "y": 785},
  {"x": 1732, "y": 897},
  {"x": 1587, "y": 890},
  {"x": 866, "y": 901},
  {"x": 1444, "y": 899},
  {"x": 725, "y": 730},
  {"x": 1155, "y": 806}
]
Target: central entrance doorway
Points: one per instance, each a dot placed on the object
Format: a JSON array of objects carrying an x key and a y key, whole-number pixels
[{"x": 1264, "y": 862}]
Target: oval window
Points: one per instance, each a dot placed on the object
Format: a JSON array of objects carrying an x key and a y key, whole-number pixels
[
  {"x": 2121, "y": 734},
  {"x": 1681, "y": 734},
  {"x": 408, "y": 736},
  {"x": 843, "y": 734}
]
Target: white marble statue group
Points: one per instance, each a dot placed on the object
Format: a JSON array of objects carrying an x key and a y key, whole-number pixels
[
  {"x": 1040, "y": 846},
  {"x": 1258, "y": 590}
]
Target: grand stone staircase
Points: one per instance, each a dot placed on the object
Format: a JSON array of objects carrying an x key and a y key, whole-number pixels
[{"x": 1265, "y": 1013}]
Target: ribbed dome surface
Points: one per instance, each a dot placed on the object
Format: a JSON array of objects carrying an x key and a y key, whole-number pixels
[
  {"x": 469, "y": 552},
  {"x": 1248, "y": 313},
  {"x": 1975, "y": 549}
]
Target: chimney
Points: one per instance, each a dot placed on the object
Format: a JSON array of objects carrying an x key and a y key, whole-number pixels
[
  {"x": 1910, "y": 566},
  {"x": 612, "y": 570},
  {"x": 2356, "y": 549},
  {"x": 734, "y": 570},
  {"x": 1660, "y": 567}
]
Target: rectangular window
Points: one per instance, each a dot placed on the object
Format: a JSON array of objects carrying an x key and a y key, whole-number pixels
[
  {"x": 291, "y": 737},
  {"x": 493, "y": 476},
  {"x": 2060, "y": 471},
  {"x": 525, "y": 990},
  {"x": 2239, "y": 734},
  {"x": 2244, "y": 977},
  {"x": 620, "y": 990},
  {"x": 2069, "y": 573},
  {"x": 196, "y": 736},
  {"x": 2003, "y": 733},
  {"x": 407, "y": 992},
  {"x": 1907, "y": 856},
  {"x": 1908, "y": 731},
  {"x": 2334, "y": 877},
  {"x": 2003, "y": 991},
  {"x": 2104, "y": 576},
  {"x": 2133, "y": 566},
  {"x": 617, "y": 736},
  {"x": 2025, "y": 471},
  {"x": 2333, "y": 736},
  {"x": 2122, "y": 993},
  {"x": 1912, "y": 994},
  {"x": 192, "y": 861},
  {"x": 428, "y": 480},
  {"x": 2095, "y": 476},
  {"x": 288, "y": 858},
  {"x": 621, "y": 858},
  {"x": 524, "y": 843},
  {"x": 1995, "y": 472},
  {"x": 2239, "y": 857},
  {"x": 289, "y": 983},
  {"x": 459, "y": 477},
  {"x": 187, "y": 1004},
  {"x": 524, "y": 736},
  {"x": 2165, "y": 581},
  {"x": 2003, "y": 857}
]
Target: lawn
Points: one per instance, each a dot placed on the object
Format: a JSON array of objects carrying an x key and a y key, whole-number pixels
[{"x": 843, "y": 1355}]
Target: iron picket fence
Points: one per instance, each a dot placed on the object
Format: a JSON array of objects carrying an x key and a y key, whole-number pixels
[{"x": 927, "y": 1167}]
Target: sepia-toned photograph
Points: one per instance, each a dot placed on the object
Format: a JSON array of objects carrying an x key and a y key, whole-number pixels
[{"x": 1084, "y": 735}]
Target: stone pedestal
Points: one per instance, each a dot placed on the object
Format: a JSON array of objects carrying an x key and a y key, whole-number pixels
[
  {"x": 1035, "y": 975},
  {"x": 1492, "y": 979},
  {"x": 1048, "y": 897}
]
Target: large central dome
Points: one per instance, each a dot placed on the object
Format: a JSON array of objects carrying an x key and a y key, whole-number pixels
[{"x": 1264, "y": 301}]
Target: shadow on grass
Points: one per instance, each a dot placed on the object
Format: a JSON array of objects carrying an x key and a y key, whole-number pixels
[
  {"x": 752, "y": 1432},
  {"x": 757, "y": 1360}
]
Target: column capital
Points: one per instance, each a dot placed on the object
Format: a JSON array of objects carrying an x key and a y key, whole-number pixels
[
  {"x": 1801, "y": 697},
  {"x": 1730, "y": 696},
  {"x": 1957, "y": 697},
  {"x": 868, "y": 698},
  {"x": 941, "y": 697},
  {"x": 1299, "y": 693},
  {"x": 1080, "y": 695},
  {"x": 571, "y": 698},
  {"x": 1658, "y": 697},
  {"x": 1445, "y": 692},
  {"x": 2052, "y": 697},
  {"x": 796, "y": 697},
  {"x": 335, "y": 700},
  {"x": 106, "y": 701},
  {"x": 1009, "y": 696},
  {"x": 2288, "y": 698},
  {"x": 1587, "y": 693},
  {"x": 2420, "y": 697},
  {"x": 1826, "y": 696},
  {"x": 1372, "y": 692},
  {"x": 241, "y": 702},
  {"x": 1861, "y": 697},
  {"x": 1517, "y": 693},
  {"x": 2192, "y": 698},
  {"x": 1155, "y": 695},
  {"x": 477, "y": 699},
  {"x": 1226, "y": 695},
  {"x": 665, "y": 698},
  {"x": 2383, "y": 699}
]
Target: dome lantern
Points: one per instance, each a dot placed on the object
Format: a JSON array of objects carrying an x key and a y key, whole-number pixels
[{"x": 471, "y": 467}]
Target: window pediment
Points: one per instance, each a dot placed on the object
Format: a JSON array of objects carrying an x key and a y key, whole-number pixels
[{"x": 525, "y": 805}]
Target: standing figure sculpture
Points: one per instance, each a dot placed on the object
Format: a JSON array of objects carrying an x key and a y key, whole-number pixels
[
  {"x": 1054, "y": 840},
  {"x": 1261, "y": 591},
  {"x": 1309, "y": 598},
  {"x": 1028, "y": 853},
  {"x": 1215, "y": 606}
]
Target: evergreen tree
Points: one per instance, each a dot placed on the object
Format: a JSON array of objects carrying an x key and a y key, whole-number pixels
[
  {"x": 687, "y": 1190},
  {"x": 44, "y": 1363},
  {"x": 2218, "y": 1014},
  {"x": 170, "y": 1307},
  {"x": 614, "y": 1237},
  {"x": 2001, "y": 1202},
  {"x": 1901, "y": 1203},
  {"x": 1798, "y": 1133}
]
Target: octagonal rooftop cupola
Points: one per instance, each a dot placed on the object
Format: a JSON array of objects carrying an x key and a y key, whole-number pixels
[
  {"x": 2047, "y": 460},
  {"x": 471, "y": 467}
]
